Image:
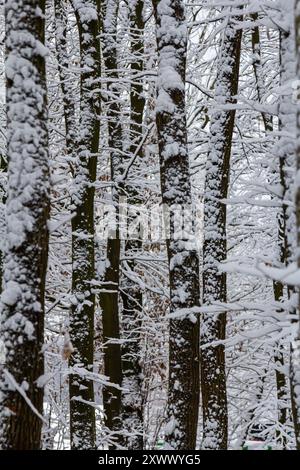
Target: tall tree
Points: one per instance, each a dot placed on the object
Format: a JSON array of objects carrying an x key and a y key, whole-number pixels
[
  {"x": 295, "y": 363},
  {"x": 278, "y": 287},
  {"x": 82, "y": 411},
  {"x": 286, "y": 154},
  {"x": 183, "y": 393},
  {"x": 132, "y": 402},
  {"x": 27, "y": 234},
  {"x": 109, "y": 296},
  {"x": 213, "y": 326}
]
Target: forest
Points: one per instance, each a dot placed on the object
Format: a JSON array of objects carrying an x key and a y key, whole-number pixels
[{"x": 150, "y": 225}]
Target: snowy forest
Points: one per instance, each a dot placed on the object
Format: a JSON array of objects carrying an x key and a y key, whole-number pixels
[{"x": 149, "y": 224}]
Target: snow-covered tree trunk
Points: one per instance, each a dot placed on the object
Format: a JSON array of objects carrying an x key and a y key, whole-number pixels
[
  {"x": 183, "y": 392},
  {"x": 3, "y": 173},
  {"x": 22, "y": 316},
  {"x": 286, "y": 154},
  {"x": 109, "y": 296},
  {"x": 213, "y": 326},
  {"x": 278, "y": 288},
  {"x": 295, "y": 369},
  {"x": 61, "y": 24},
  {"x": 132, "y": 402},
  {"x": 82, "y": 414}
]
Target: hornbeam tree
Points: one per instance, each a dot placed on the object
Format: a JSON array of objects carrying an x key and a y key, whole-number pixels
[
  {"x": 183, "y": 391},
  {"x": 109, "y": 295},
  {"x": 132, "y": 401},
  {"x": 82, "y": 411},
  {"x": 213, "y": 326},
  {"x": 27, "y": 210},
  {"x": 295, "y": 362}
]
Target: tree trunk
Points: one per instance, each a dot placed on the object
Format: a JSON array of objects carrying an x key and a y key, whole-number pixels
[
  {"x": 109, "y": 296},
  {"x": 213, "y": 326},
  {"x": 278, "y": 288},
  {"x": 27, "y": 234},
  {"x": 82, "y": 414},
  {"x": 132, "y": 401},
  {"x": 295, "y": 361},
  {"x": 183, "y": 393}
]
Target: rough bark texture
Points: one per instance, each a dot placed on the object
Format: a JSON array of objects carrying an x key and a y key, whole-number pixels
[
  {"x": 61, "y": 24},
  {"x": 295, "y": 369},
  {"x": 132, "y": 401},
  {"x": 213, "y": 326},
  {"x": 183, "y": 393},
  {"x": 22, "y": 326},
  {"x": 278, "y": 288},
  {"x": 82, "y": 414},
  {"x": 109, "y": 296}
]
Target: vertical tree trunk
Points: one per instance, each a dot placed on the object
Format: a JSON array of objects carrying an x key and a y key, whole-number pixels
[
  {"x": 213, "y": 327},
  {"x": 286, "y": 153},
  {"x": 82, "y": 414},
  {"x": 183, "y": 393},
  {"x": 132, "y": 401},
  {"x": 27, "y": 234},
  {"x": 109, "y": 296},
  {"x": 3, "y": 190},
  {"x": 295, "y": 362},
  {"x": 278, "y": 288},
  {"x": 64, "y": 76}
]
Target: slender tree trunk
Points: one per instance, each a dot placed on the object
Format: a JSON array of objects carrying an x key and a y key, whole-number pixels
[
  {"x": 27, "y": 234},
  {"x": 64, "y": 75},
  {"x": 295, "y": 362},
  {"x": 3, "y": 190},
  {"x": 132, "y": 401},
  {"x": 183, "y": 393},
  {"x": 278, "y": 288},
  {"x": 82, "y": 414},
  {"x": 286, "y": 153},
  {"x": 213, "y": 327},
  {"x": 109, "y": 296}
]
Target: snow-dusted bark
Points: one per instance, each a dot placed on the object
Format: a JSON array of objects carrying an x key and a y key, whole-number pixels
[
  {"x": 286, "y": 154},
  {"x": 295, "y": 369},
  {"x": 3, "y": 174},
  {"x": 213, "y": 326},
  {"x": 61, "y": 24},
  {"x": 109, "y": 296},
  {"x": 278, "y": 288},
  {"x": 132, "y": 402},
  {"x": 22, "y": 316},
  {"x": 82, "y": 414},
  {"x": 183, "y": 392}
]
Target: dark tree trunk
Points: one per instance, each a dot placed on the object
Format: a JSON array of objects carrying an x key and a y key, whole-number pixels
[
  {"x": 183, "y": 393},
  {"x": 27, "y": 206},
  {"x": 109, "y": 296},
  {"x": 82, "y": 414},
  {"x": 213, "y": 326},
  {"x": 132, "y": 400}
]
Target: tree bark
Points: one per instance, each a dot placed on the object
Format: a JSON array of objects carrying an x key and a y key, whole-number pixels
[
  {"x": 183, "y": 392},
  {"x": 213, "y": 326},
  {"x": 109, "y": 296},
  {"x": 132, "y": 400},
  {"x": 295, "y": 361},
  {"x": 27, "y": 234},
  {"x": 82, "y": 414},
  {"x": 278, "y": 288}
]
